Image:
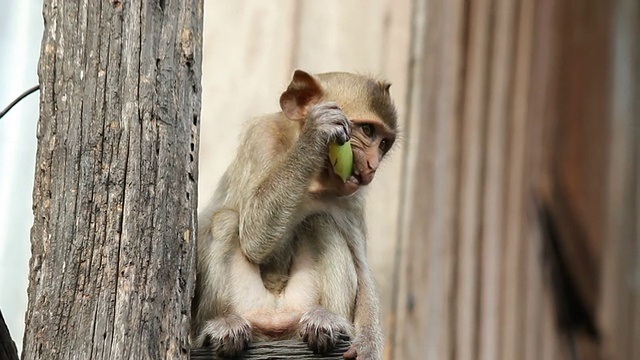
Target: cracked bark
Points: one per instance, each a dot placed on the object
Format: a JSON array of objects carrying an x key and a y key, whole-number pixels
[{"x": 113, "y": 241}]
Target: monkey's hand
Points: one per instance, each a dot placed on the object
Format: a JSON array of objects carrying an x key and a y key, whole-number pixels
[
  {"x": 366, "y": 346},
  {"x": 326, "y": 123}
]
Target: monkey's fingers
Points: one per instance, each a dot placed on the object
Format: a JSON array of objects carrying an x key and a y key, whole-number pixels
[{"x": 363, "y": 349}]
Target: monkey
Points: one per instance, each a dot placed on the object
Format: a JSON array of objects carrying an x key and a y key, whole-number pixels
[{"x": 281, "y": 248}]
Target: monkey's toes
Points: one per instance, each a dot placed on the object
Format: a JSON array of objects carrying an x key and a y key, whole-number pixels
[
  {"x": 366, "y": 346},
  {"x": 321, "y": 329},
  {"x": 228, "y": 336}
]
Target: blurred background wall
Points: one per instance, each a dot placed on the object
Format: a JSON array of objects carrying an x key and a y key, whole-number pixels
[{"x": 503, "y": 226}]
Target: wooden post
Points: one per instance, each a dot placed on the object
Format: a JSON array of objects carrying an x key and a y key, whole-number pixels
[
  {"x": 113, "y": 262},
  {"x": 619, "y": 313}
]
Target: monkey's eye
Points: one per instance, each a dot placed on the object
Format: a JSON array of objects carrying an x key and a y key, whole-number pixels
[
  {"x": 384, "y": 145},
  {"x": 368, "y": 130}
]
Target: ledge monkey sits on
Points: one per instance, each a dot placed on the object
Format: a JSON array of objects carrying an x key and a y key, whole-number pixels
[{"x": 281, "y": 247}]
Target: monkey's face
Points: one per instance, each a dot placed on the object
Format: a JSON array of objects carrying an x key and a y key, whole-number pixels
[{"x": 370, "y": 141}]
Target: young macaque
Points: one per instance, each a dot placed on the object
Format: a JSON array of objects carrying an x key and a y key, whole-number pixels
[{"x": 281, "y": 247}]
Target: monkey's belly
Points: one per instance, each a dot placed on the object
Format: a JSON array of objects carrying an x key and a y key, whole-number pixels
[{"x": 272, "y": 315}]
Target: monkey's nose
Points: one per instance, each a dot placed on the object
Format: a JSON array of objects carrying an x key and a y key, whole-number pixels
[{"x": 367, "y": 176}]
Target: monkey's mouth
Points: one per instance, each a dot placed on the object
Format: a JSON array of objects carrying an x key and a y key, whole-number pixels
[
  {"x": 346, "y": 188},
  {"x": 355, "y": 177}
]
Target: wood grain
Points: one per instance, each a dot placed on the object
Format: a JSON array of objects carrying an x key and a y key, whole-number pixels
[
  {"x": 620, "y": 299},
  {"x": 113, "y": 242},
  {"x": 281, "y": 349}
]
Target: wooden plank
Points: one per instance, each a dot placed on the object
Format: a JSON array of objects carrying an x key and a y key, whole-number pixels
[
  {"x": 384, "y": 195},
  {"x": 472, "y": 165},
  {"x": 540, "y": 91},
  {"x": 580, "y": 137},
  {"x": 425, "y": 312},
  {"x": 281, "y": 349},
  {"x": 620, "y": 310},
  {"x": 532, "y": 304},
  {"x": 549, "y": 341},
  {"x": 494, "y": 183},
  {"x": 514, "y": 319},
  {"x": 634, "y": 216},
  {"x": 402, "y": 307}
]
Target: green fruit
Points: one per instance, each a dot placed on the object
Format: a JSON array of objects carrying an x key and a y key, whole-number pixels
[{"x": 341, "y": 157}]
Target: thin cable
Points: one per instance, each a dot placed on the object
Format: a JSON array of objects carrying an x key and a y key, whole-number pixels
[{"x": 17, "y": 100}]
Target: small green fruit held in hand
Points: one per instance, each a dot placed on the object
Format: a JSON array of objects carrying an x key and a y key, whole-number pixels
[{"x": 341, "y": 157}]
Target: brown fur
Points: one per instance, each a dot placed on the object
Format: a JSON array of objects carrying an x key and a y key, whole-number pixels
[{"x": 281, "y": 246}]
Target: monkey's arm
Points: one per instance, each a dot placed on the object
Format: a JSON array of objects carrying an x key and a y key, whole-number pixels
[{"x": 269, "y": 209}]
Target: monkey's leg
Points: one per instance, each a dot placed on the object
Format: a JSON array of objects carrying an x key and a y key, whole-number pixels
[
  {"x": 230, "y": 331},
  {"x": 323, "y": 325},
  {"x": 215, "y": 323}
]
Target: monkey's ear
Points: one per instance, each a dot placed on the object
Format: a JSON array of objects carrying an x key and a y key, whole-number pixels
[{"x": 303, "y": 91}]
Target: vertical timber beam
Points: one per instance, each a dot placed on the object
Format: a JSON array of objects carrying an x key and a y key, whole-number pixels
[{"x": 113, "y": 242}]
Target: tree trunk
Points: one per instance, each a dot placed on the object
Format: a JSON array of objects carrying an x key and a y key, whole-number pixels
[{"x": 113, "y": 242}]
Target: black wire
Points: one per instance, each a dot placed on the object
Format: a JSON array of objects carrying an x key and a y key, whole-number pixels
[{"x": 17, "y": 100}]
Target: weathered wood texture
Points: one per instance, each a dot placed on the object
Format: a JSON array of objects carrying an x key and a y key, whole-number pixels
[
  {"x": 506, "y": 97},
  {"x": 113, "y": 265},
  {"x": 620, "y": 294},
  {"x": 283, "y": 349},
  {"x": 8, "y": 350}
]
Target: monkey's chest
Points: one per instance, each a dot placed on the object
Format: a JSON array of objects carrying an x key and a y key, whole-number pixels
[
  {"x": 318, "y": 270},
  {"x": 295, "y": 261},
  {"x": 317, "y": 244}
]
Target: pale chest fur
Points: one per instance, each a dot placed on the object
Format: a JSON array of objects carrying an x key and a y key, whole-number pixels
[{"x": 305, "y": 282}]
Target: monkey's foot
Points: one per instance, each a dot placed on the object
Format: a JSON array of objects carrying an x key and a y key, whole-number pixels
[
  {"x": 228, "y": 335},
  {"x": 366, "y": 346},
  {"x": 321, "y": 329}
]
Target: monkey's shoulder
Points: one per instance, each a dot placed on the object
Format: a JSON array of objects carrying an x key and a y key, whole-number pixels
[{"x": 273, "y": 132}]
